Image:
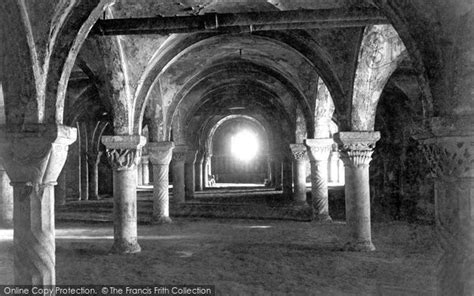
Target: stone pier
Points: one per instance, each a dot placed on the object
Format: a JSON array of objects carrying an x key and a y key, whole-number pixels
[
  {"x": 94, "y": 160},
  {"x": 179, "y": 157},
  {"x": 34, "y": 160},
  {"x": 287, "y": 178},
  {"x": 145, "y": 169},
  {"x": 356, "y": 150},
  {"x": 450, "y": 153},
  {"x": 189, "y": 175},
  {"x": 123, "y": 153},
  {"x": 6, "y": 199},
  {"x": 198, "y": 169},
  {"x": 160, "y": 157},
  {"x": 318, "y": 151}
]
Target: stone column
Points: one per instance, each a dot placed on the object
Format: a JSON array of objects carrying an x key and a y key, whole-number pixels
[
  {"x": 287, "y": 178},
  {"x": 318, "y": 151},
  {"x": 123, "y": 153},
  {"x": 299, "y": 173},
  {"x": 199, "y": 174},
  {"x": 278, "y": 172},
  {"x": 60, "y": 189},
  {"x": 6, "y": 199},
  {"x": 189, "y": 177},
  {"x": 333, "y": 170},
  {"x": 84, "y": 162},
  {"x": 139, "y": 173},
  {"x": 356, "y": 150},
  {"x": 270, "y": 170},
  {"x": 160, "y": 157},
  {"x": 34, "y": 160},
  {"x": 145, "y": 170},
  {"x": 94, "y": 160},
  {"x": 207, "y": 169},
  {"x": 450, "y": 153},
  {"x": 179, "y": 156}
]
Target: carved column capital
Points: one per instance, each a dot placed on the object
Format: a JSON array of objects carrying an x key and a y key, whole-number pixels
[
  {"x": 123, "y": 152},
  {"x": 449, "y": 147},
  {"x": 298, "y": 152},
  {"x": 179, "y": 153},
  {"x": 451, "y": 157},
  {"x": 356, "y": 148},
  {"x": 319, "y": 149},
  {"x": 36, "y": 156},
  {"x": 161, "y": 152}
]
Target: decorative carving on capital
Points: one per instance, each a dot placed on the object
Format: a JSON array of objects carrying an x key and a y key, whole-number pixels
[
  {"x": 356, "y": 148},
  {"x": 36, "y": 156},
  {"x": 319, "y": 149},
  {"x": 450, "y": 157},
  {"x": 123, "y": 152},
  {"x": 123, "y": 159},
  {"x": 298, "y": 151},
  {"x": 161, "y": 152}
]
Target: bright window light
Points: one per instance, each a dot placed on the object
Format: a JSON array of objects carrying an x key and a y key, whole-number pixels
[{"x": 244, "y": 145}]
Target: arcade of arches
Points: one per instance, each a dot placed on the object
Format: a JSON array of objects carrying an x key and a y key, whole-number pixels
[{"x": 331, "y": 111}]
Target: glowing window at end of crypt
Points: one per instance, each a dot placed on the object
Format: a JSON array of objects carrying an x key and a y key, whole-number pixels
[{"x": 244, "y": 145}]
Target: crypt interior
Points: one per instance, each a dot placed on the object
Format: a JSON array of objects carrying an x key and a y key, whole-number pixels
[{"x": 267, "y": 147}]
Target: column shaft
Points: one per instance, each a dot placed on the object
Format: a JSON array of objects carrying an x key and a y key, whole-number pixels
[
  {"x": 84, "y": 163},
  {"x": 278, "y": 174},
  {"x": 287, "y": 181},
  {"x": 357, "y": 192},
  {"x": 145, "y": 170},
  {"x": 34, "y": 253},
  {"x": 319, "y": 190},
  {"x": 125, "y": 211},
  {"x": 160, "y": 157},
  {"x": 179, "y": 155},
  {"x": 140, "y": 174},
  {"x": 319, "y": 150},
  {"x": 94, "y": 160},
  {"x": 6, "y": 200},
  {"x": 189, "y": 176},
  {"x": 199, "y": 177}
]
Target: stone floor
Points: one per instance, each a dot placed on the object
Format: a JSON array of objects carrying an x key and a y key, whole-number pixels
[{"x": 246, "y": 257}]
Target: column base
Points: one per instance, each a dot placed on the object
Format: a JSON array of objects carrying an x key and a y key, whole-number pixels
[
  {"x": 322, "y": 218},
  {"x": 161, "y": 220},
  {"x": 366, "y": 246},
  {"x": 125, "y": 248}
]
